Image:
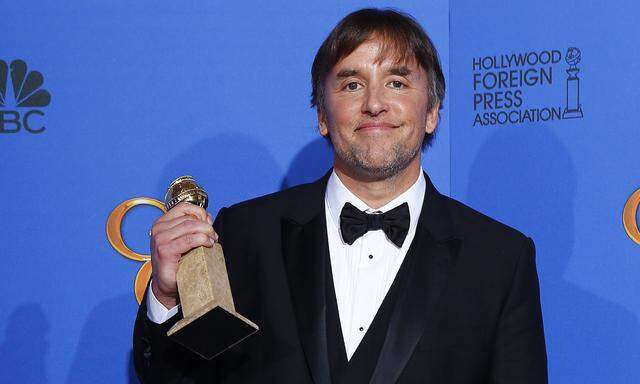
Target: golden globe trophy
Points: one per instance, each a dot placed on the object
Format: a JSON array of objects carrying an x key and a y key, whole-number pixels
[{"x": 210, "y": 323}]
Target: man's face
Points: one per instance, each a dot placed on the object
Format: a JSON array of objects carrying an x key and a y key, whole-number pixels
[{"x": 375, "y": 113}]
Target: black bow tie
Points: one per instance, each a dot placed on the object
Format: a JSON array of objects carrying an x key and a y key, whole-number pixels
[{"x": 355, "y": 223}]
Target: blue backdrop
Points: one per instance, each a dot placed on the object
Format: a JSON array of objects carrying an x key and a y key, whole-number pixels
[{"x": 141, "y": 92}]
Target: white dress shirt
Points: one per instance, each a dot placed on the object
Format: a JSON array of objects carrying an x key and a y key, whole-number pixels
[
  {"x": 362, "y": 272},
  {"x": 156, "y": 311}
]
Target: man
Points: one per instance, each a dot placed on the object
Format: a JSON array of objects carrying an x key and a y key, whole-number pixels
[{"x": 368, "y": 274}]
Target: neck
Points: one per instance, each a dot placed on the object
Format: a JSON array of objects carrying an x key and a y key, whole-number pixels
[{"x": 377, "y": 193}]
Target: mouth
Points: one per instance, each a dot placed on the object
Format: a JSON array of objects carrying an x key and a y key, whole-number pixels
[{"x": 376, "y": 126}]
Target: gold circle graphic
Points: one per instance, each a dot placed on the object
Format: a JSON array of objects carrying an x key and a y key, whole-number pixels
[
  {"x": 114, "y": 235},
  {"x": 142, "y": 280},
  {"x": 629, "y": 216},
  {"x": 114, "y": 226}
]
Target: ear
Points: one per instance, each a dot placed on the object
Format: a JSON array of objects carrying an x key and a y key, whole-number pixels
[
  {"x": 322, "y": 123},
  {"x": 432, "y": 119}
]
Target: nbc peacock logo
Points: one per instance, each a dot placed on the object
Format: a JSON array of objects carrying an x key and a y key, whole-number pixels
[{"x": 22, "y": 98}]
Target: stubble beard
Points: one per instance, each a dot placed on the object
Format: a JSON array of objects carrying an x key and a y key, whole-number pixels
[{"x": 359, "y": 161}]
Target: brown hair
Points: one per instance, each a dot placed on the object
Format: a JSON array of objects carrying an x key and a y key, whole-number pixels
[{"x": 400, "y": 35}]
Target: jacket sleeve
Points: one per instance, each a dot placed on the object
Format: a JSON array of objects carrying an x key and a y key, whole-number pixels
[
  {"x": 519, "y": 354},
  {"x": 157, "y": 359}
]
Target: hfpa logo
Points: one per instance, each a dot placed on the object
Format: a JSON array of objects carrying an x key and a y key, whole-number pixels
[{"x": 20, "y": 99}]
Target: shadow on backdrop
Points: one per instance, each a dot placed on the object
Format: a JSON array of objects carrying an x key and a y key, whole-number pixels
[
  {"x": 525, "y": 177},
  {"x": 99, "y": 354},
  {"x": 230, "y": 167},
  {"x": 25, "y": 345},
  {"x": 309, "y": 164}
]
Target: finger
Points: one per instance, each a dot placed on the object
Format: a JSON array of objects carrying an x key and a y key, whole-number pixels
[
  {"x": 210, "y": 221},
  {"x": 183, "y": 209},
  {"x": 187, "y": 242},
  {"x": 162, "y": 226},
  {"x": 191, "y": 226}
]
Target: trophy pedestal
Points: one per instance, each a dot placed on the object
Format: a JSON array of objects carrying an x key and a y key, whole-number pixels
[
  {"x": 210, "y": 324},
  {"x": 573, "y": 110},
  {"x": 572, "y": 113}
]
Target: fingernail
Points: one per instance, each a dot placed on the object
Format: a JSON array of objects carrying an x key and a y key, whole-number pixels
[{"x": 209, "y": 220}]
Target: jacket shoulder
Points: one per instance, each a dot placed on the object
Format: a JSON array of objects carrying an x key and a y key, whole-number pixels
[
  {"x": 479, "y": 228},
  {"x": 258, "y": 220},
  {"x": 299, "y": 203},
  {"x": 273, "y": 203}
]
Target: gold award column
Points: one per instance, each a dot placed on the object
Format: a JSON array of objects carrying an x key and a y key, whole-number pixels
[{"x": 210, "y": 323}]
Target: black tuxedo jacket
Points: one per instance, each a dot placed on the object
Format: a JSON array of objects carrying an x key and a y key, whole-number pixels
[{"x": 470, "y": 313}]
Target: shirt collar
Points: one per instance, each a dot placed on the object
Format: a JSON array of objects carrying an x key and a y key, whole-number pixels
[{"x": 338, "y": 194}]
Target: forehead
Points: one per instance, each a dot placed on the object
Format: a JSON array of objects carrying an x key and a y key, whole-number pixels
[{"x": 376, "y": 51}]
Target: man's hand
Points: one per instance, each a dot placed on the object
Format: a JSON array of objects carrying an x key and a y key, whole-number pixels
[{"x": 184, "y": 227}]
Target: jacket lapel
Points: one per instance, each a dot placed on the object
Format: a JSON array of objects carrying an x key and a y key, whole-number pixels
[
  {"x": 305, "y": 251},
  {"x": 433, "y": 253}
]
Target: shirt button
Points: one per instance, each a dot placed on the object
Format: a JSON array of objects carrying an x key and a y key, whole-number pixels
[
  {"x": 361, "y": 329},
  {"x": 370, "y": 256}
]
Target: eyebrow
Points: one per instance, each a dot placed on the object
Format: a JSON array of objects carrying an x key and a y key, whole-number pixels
[
  {"x": 347, "y": 73},
  {"x": 398, "y": 71}
]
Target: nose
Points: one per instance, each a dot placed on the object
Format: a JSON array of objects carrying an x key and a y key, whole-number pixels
[{"x": 374, "y": 101}]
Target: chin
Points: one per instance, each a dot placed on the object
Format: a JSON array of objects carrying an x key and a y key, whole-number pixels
[
  {"x": 378, "y": 168},
  {"x": 375, "y": 161}
]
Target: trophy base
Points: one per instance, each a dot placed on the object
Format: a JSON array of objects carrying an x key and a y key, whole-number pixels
[
  {"x": 211, "y": 331},
  {"x": 572, "y": 114}
]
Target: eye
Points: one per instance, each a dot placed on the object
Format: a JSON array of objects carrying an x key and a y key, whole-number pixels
[
  {"x": 352, "y": 86},
  {"x": 397, "y": 84}
]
